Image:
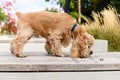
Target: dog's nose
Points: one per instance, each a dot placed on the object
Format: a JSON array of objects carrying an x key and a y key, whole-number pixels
[{"x": 91, "y": 52}]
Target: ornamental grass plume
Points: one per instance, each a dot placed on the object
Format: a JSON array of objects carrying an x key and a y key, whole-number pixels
[{"x": 106, "y": 26}]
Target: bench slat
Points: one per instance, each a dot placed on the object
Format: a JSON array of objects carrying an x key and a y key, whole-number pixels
[{"x": 44, "y": 62}]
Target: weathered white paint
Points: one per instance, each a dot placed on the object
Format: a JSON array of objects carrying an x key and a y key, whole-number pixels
[
  {"x": 113, "y": 75},
  {"x": 44, "y": 62},
  {"x": 37, "y": 45},
  {"x": 95, "y": 67}
]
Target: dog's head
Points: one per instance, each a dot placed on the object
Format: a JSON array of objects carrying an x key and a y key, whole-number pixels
[{"x": 82, "y": 44}]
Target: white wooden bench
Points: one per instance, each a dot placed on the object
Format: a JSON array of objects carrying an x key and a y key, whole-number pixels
[
  {"x": 38, "y": 65},
  {"x": 37, "y": 45}
]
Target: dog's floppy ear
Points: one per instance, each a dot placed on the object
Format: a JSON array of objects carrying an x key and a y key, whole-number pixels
[{"x": 18, "y": 14}]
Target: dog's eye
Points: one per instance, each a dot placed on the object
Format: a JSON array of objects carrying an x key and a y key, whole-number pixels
[{"x": 89, "y": 46}]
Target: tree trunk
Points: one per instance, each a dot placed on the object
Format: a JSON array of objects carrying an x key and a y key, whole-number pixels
[
  {"x": 67, "y": 6},
  {"x": 79, "y": 11}
]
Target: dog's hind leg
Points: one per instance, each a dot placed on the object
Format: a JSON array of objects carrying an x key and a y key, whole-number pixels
[
  {"x": 48, "y": 47},
  {"x": 23, "y": 35}
]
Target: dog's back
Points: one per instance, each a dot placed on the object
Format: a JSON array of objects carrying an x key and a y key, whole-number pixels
[
  {"x": 44, "y": 21},
  {"x": 43, "y": 17}
]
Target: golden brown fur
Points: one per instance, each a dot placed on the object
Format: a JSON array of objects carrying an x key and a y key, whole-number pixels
[{"x": 56, "y": 28}]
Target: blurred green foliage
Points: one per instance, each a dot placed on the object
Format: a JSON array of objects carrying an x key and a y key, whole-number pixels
[
  {"x": 87, "y": 6},
  {"x": 3, "y": 17}
]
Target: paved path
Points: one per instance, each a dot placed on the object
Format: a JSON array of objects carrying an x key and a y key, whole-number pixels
[{"x": 44, "y": 62}]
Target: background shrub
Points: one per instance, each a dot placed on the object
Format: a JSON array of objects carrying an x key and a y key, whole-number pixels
[{"x": 106, "y": 26}]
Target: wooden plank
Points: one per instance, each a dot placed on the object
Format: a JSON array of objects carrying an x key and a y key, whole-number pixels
[
  {"x": 44, "y": 62},
  {"x": 112, "y": 75},
  {"x": 37, "y": 45}
]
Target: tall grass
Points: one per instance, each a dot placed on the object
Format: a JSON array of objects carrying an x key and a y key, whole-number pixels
[{"x": 106, "y": 26}]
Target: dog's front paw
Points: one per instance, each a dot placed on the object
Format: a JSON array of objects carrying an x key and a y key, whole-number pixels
[
  {"x": 20, "y": 55},
  {"x": 74, "y": 55}
]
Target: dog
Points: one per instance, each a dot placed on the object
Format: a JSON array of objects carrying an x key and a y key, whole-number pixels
[{"x": 57, "y": 28}]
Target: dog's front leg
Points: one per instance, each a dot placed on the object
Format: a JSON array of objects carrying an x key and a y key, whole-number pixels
[
  {"x": 55, "y": 43},
  {"x": 74, "y": 51}
]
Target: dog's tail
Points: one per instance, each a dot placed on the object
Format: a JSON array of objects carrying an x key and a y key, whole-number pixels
[{"x": 18, "y": 14}]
